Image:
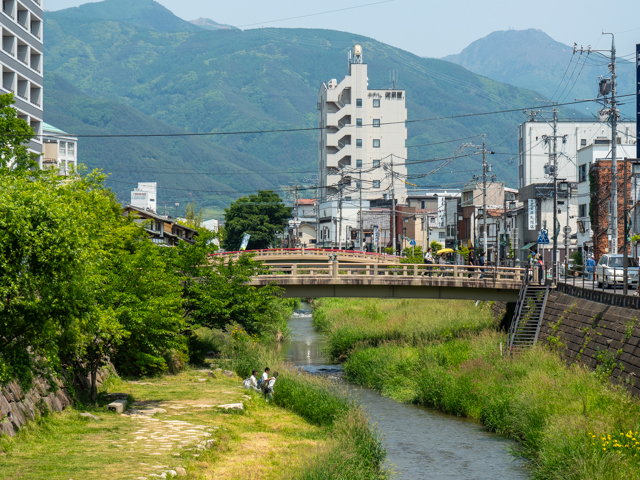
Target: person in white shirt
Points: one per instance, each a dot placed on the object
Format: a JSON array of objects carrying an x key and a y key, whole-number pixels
[
  {"x": 268, "y": 390},
  {"x": 253, "y": 382},
  {"x": 265, "y": 375}
]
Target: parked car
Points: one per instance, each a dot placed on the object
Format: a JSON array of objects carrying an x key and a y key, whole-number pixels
[{"x": 609, "y": 271}]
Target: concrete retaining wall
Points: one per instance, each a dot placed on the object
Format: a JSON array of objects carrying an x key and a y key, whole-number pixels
[
  {"x": 604, "y": 337},
  {"x": 18, "y": 407}
]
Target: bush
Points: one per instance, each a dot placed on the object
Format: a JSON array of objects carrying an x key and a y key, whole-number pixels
[{"x": 203, "y": 341}]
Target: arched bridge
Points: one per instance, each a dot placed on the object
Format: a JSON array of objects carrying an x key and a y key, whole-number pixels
[
  {"x": 393, "y": 280},
  {"x": 311, "y": 255}
]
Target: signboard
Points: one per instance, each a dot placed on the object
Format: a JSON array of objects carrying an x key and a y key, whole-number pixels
[
  {"x": 375, "y": 235},
  {"x": 532, "y": 214},
  {"x": 638, "y": 99},
  {"x": 543, "y": 237},
  {"x": 412, "y": 242},
  {"x": 245, "y": 241}
]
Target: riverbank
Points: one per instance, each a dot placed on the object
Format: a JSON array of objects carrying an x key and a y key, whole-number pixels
[{"x": 571, "y": 423}]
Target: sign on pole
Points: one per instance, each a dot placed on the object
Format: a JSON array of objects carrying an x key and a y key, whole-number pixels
[
  {"x": 412, "y": 242},
  {"x": 532, "y": 214},
  {"x": 543, "y": 237},
  {"x": 375, "y": 235}
]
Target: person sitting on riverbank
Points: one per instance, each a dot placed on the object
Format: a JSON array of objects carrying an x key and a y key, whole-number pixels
[
  {"x": 265, "y": 376},
  {"x": 253, "y": 382},
  {"x": 268, "y": 387}
]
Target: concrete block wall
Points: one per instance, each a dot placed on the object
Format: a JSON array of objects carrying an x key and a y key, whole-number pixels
[
  {"x": 604, "y": 337},
  {"x": 17, "y": 407}
]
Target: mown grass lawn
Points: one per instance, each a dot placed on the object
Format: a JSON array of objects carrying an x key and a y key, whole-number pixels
[{"x": 261, "y": 442}]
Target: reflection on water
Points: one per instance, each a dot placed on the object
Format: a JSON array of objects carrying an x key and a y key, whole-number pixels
[{"x": 421, "y": 443}]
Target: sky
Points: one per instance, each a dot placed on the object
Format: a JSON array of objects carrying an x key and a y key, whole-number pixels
[{"x": 427, "y": 28}]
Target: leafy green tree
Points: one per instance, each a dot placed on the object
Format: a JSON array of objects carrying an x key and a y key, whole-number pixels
[
  {"x": 215, "y": 291},
  {"x": 412, "y": 255},
  {"x": 435, "y": 246},
  {"x": 15, "y": 134},
  {"x": 192, "y": 219},
  {"x": 258, "y": 215}
]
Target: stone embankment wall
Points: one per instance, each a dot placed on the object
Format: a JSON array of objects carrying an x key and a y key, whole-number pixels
[
  {"x": 18, "y": 407},
  {"x": 604, "y": 337}
]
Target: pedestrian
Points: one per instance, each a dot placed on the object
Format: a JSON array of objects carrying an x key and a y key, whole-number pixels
[
  {"x": 268, "y": 388},
  {"x": 540, "y": 269},
  {"x": 442, "y": 261},
  {"x": 591, "y": 263},
  {"x": 481, "y": 262},
  {"x": 428, "y": 260},
  {"x": 471, "y": 262}
]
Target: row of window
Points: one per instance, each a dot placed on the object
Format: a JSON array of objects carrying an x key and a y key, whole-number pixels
[
  {"x": 23, "y": 17},
  {"x": 376, "y": 163},
  {"x": 67, "y": 148},
  {"x": 23, "y": 88},
  {"x": 18, "y": 49},
  {"x": 376, "y": 122},
  {"x": 376, "y": 143},
  {"x": 376, "y": 102}
]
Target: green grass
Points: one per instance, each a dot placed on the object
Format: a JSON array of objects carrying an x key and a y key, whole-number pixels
[
  {"x": 356, "y": 322},
  {"x": 354, "y": 450}
]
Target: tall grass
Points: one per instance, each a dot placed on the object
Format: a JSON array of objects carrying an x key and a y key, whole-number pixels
[
  {"x": 569, "y": 423},
  {"x": 356, "y": 322},
  {"x": 354, "y": 452}
]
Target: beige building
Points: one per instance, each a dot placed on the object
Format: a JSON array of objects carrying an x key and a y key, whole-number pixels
[
  {"x": 362, "y": 137},
  {"x": 60, "y": 150}
]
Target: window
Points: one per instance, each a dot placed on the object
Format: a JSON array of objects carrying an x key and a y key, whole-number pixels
[
  {"x": 71, "y": 148},
  {"x": 376, "y": 184},
  {"x": 432, "y": 220},
  {"x": 376, "y": 143},
  {"x": 359, "y": 143},
  {"x": 582, "y": 172},
  {"x": 376, "y": 163},
  {"x": 582, "y": 210},
  {"x": 441, "y": 235},
  {"x": 583, "y": 142},
  {"x": 358, "y": 102},
  {"x": 376, "y": 122},
  {"x": 359, "y": 163},
  {"x": 376, "y": 103},
  {"x": 62, "y": 148},
  {"x": 358, "y": 122}
]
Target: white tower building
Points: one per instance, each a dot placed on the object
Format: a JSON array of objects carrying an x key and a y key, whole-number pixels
[
  {"x": 362, "y": 135},
  {"x": 144, "y": 196}
]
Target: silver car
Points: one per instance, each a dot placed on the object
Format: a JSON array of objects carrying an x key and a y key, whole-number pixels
[{"x": 609, "y": 271}]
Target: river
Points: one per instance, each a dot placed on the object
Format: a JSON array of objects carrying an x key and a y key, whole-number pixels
[{"x": 421, "y": 443}]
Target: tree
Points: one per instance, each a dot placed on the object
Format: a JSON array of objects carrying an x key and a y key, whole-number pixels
[
  {"x": 258, "y": 215},
  {"x": 192, "y": 219},
  {"x": 215, "y": 291},
  {"x": 435, "y": 246},
  {"x": 15, "y": 134}
]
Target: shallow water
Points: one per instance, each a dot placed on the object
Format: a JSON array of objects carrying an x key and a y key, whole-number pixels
[{"x": 421, "y": 443}]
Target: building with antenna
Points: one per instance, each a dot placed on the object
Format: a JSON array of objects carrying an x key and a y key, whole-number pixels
[{"x": 362, "y": 137}]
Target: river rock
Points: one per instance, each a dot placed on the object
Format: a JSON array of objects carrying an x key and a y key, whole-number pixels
[
  {"x": 89, "y": 416},
  {"x": 181, "y": 471},
  {"x": 232, "y": 406},
  {"x": 229, "y": 373}
]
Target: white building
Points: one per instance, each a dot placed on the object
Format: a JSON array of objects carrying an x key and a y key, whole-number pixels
[
  {"x": 331, "y": 235},
  {"x": 212, "y": 225},
  {"x": 534, "y": 150},
  {"x": 60, "y": 150},
  {"x": 21, "y": 61},
  {"x": 144, "y": 197},
  {"x": 362, "y": 133}
]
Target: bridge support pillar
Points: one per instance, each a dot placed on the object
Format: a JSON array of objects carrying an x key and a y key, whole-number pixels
[{"x": 375, "y": 270}]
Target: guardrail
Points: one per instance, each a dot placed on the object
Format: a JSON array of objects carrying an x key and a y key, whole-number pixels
[
  {"x": 424, "y": 273},
  {"x": 279, "y": 252}
]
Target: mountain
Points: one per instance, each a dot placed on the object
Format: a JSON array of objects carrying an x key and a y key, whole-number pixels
[
  {"x": 254, "y": 81},
  {"x": 532, "y": 59},
  {"x": 141, "y": 13},
  {"x": 209, "y": 24}
]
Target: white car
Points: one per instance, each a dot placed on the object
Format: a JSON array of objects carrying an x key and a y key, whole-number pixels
[{"x": 609, "y": 271}]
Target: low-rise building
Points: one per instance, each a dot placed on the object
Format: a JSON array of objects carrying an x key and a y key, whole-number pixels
[
  {"x": 60, "y": 150},
  {"x": 162, "y": 229},
  {"x": 144, "y": 196},
  {"x": 302, "y": 227}
]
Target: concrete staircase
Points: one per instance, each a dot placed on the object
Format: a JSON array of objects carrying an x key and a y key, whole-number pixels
[{"x": 527, "y": 320}]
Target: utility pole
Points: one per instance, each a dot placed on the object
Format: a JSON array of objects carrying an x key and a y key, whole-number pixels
[
  {"x": 614, "y": 163},
  {"x": 361, "y": 234},
  {"x": 554, "y": 266},
  {"x": 393, "y": 208},
  {"x": 484, "y": 197},
  {"x": 625, "y": 255},
  {"x": 340, "y": 207},
  {"x": 424, "y": 225}
]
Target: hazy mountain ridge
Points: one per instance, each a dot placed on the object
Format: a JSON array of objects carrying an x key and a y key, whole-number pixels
[
  {"x": 266, "y": 79},
  {"x": 532, "y": 59},
  {"x": 209, "y": 24}
]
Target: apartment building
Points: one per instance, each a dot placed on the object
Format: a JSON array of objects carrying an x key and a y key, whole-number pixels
[
  {"x": 145, "y": 196},
  {"x": 60, "y": 150},
  {"x": 21, "y": 61},
  {"x": 535, "y": 146},
  {"x": 362, "y": 136}
]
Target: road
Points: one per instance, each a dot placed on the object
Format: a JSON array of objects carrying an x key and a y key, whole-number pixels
[{"x": 592, "y": 285}]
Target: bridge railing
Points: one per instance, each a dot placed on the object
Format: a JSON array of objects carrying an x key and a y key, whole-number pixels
[
  {"x": 336, "y": 269},
  {"x": 311, "y": 252}
]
